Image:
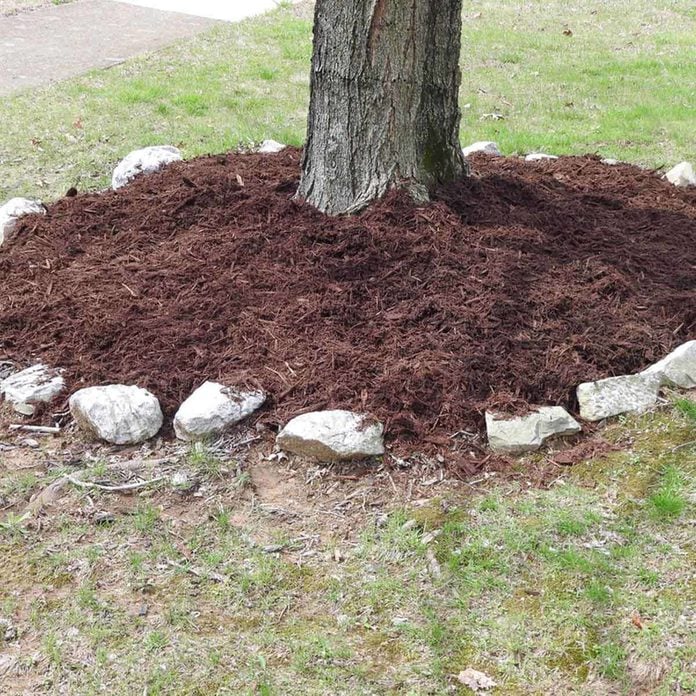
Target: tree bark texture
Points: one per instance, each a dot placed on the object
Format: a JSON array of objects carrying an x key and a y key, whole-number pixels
[{"x": 384, "y": 105}]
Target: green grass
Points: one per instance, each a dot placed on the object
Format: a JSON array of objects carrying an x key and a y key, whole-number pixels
[{"x": 622, "y": 86}]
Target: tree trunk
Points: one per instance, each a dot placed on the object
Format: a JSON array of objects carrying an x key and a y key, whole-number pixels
[{"x": 384, "y": 101}]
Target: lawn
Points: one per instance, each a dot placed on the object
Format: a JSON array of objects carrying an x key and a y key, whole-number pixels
[
  {"x": 620, "y": 85},
  {"x": 239, "y": 573}
]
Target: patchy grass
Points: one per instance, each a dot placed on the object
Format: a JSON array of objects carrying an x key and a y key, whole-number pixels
[
  {"x": 621, "y": 85},
  {"x": 580, "y": 588}
]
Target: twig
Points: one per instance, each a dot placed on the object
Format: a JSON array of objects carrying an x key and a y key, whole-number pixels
[
  {"x": 113, "y": 489},
  {"x": 198, "y": 573},
  {"x": 684, "y": 444},
  {"x": 52, "y": 430},
  {"x": 55, "y": 490}
]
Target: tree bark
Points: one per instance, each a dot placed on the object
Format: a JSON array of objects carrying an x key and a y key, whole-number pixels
[{"x": 384, "y": 105}]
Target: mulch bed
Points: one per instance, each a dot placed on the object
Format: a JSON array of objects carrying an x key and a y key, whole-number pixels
[{"x": 512, "y": 287}]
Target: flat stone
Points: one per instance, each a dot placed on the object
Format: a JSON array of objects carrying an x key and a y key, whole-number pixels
[
  {"x": 538, "y": 156},
  {"x": 118, "y": 414},
  {"x": 35, "y": 385},
  {"x": 214, "y": 408},
  {"x": 333, "y": 436},
  {"x": 682, "y": 175},
  {"x": 488, "y": 147},
  {"x": 530, "y": 432},
  {"x": 678, "y": 369},
  {"x": 616, "y": 395},
  {"x": 270, "y": 146},
  {"x": 144, "y": 161},
  {"x": 611, "y": 161},
  {"x": 12, "y": 211}
]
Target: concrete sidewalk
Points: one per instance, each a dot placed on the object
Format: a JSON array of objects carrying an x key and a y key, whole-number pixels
[
  {"x": 59, "y": 41},
  {"x": 227, "y": 10}
]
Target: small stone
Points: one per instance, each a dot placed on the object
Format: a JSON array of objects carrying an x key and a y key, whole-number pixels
[
  {"x": 29, "y": 442},
  {"x": 36, "y": 385},
  {"x": 538, "y": 156},
  {"x": 475, "y": 680},
  {"x": 118, "y": 414},
  {"x": 530, "y": 432},
  {"x": 616, "y": 395},
  {"x": 184, "y": 482},
  {"x": 214, "y": 408},
  {"x": 144, "y": 161},
  {"x": 103, "y": 518},
  {"x": 332, "y": 436},
  {"x": 678, "y": 369},
  {"x": 271, "y": 146},
  {"x": 682, "y": 175},
  {"x": 13, "y": 210},
  {"x": 8, "y": 630},
  {"x": 487, "y": 147},
  {"x": 610, "y": 161}
]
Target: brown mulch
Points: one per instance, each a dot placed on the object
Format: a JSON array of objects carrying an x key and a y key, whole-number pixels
[{"x": 512, "y": 287}]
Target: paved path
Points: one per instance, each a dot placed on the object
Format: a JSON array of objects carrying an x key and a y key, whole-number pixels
[
  {"x": 228, "y": 10},
  {"x": 59, "y": 41}
]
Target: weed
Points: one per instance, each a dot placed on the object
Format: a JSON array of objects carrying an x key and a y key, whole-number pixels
[
  {"x": 668, "y": 501},
  {"x": 145, "y": 518},
  {"x": 687, "y": 408}
]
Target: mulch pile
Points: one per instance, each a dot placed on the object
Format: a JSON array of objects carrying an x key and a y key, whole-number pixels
[{"x": 512, "y": 287}]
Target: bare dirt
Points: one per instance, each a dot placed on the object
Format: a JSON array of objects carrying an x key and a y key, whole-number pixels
[{"x": 512, "y": 287}]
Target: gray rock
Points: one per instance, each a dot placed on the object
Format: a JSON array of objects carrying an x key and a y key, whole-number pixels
[
  {"x": 682, "y": 175},
  {"x": 332, "y": 436},
  {"x": 611, "y": 161},
  {"x": 678, "y": 368},
  {"x": 270, "y": 146},
  {"x": 35, "y": 385},
  {"x": 144, "y": 161},
  {"x": 212, "y": 409},
  {"x": 530, "y": 432},
  {"x": 488, "y": 147},
  {"x": 616, "y": 395},
  {"x": 12, "y": 211},
  {"x": 537, "y": 156},
  {"x": 119, "y": 414}
]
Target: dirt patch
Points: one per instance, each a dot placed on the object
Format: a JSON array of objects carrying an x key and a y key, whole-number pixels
[{"x": 512, "y": 287}]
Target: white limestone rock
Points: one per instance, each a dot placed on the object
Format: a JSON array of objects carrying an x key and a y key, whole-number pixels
[
  {"x": 35, "y": 385},
  {"x": 119, "y": 414},
  {"x": 616, "y": 395},
  {"x": 332, "y": 436},
  {"x": 538, "y": 156},
  {"x": 12, "y": 211},
  {"x": 270, "y": 146},
  {"x": 682, "y": 175},
  {"x": 678, "y": 369},
  {"x": 212, "y": 409},
  {"x": 144, "y": 161},
  {"x": 488, "y": 147},
  {"x": 530, "y": 432}
]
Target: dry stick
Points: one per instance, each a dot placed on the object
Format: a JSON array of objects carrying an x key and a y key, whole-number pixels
[
  {"x": 55, "y": 490},
  {"x": 36, "y": 428},
  {"x": 683, "y": 445},
  {"x": 198, "y": 573},
  {"x": 114, "y": 489}
]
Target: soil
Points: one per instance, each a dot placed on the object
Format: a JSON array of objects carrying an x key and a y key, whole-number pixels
[{"x": 510, "y": 288}]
